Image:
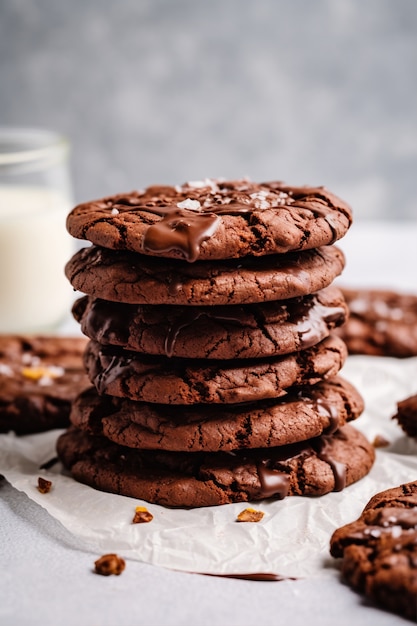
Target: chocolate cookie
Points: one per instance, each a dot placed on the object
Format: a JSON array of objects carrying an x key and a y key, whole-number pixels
[
  {"x": 214, "y": 332},
  {"x": 136, "y": 279},
  {"x": 39, "y": 377},
  {"x": 294, "y": 417},
  {"x": 177, "y": 479},
  {"x": 213, "y": 220},
  {"x": 381, "y": 323},
  {"x": 406, "y": 415},
  {"x": 379, "y": 550},
  {"x": 184, "y": 381}
]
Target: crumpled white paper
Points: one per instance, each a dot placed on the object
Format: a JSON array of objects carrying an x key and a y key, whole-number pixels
[{"x": 291, "y": 540}]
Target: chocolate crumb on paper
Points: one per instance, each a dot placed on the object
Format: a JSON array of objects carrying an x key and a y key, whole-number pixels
[
  {"x": 44, "y": 485},
  {"x": 109, "y": 564},
  {"x": 406, "y": 415},
  {"x": 380, "y": 442},
  {"x": 250, "y": 515},
  {"x": 142, "y": 515}
]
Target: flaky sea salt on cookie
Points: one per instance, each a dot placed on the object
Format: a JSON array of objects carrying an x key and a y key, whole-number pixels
[{"x": 214, "y": 219}]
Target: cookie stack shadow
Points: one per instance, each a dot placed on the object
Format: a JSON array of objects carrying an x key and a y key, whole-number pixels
[{"x": 210, "y": 309}]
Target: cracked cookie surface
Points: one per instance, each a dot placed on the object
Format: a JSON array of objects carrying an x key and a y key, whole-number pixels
[
  {"x": 379, "y": 550},
  {"x": 297, "y": 416},
  {"x": 184, "y": 381},
  {"x": 121, "y": 276},
  {"x": 312, "y": 468},
  {"x": 214, "y": 332},
  {"x": 213, "y": 219}
]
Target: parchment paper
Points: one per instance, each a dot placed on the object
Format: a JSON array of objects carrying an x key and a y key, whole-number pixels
[{"x": 291, "y": 540}]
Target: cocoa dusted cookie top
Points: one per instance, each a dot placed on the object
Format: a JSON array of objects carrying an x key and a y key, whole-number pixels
[
  {"x": 39, "y": 377},
  {"x": 213, "y": 219},
  {"x": 177, "y": 479},
  {"x": 379, "y": 550}
]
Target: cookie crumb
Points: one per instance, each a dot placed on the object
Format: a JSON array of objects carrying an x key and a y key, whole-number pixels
[
  {"x": 142, "y": 515},
  {"x": 44, "y": 485},
  {"x": 380, "y": 442},
  {"x": 109, "y": 564},
  {"x": 250, "y": 515}
]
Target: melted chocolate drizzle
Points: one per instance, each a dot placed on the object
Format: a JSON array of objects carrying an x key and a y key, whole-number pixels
[
  {"x": 329, "y": 411},
  {"x": 338, "y": 469},
  {"x": 113, "y": 367},
  {"x": 257, "y": 576},
  {"x": 106, "y": 320},
  {"x": 182, "y": 229},
  {"x": 179, "y": 229},
  {"x": 273, "y": 482},
  {"x": 314, "y": 321}
]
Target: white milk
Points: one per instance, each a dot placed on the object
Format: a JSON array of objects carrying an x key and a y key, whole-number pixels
[{"x": 34, "y": 247}]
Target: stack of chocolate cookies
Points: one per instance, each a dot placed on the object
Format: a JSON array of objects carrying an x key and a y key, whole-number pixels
[{"x": 209, "y": 309}]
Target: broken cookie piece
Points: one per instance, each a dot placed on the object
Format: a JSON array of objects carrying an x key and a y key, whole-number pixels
[
  {"x": 406, "y": 415},
  {"x": 379, "y": 550}
]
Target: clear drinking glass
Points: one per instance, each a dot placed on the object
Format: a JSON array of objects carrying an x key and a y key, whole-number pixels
[{"x": 35, "y": 197}]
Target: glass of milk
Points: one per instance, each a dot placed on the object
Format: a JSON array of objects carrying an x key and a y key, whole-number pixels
[{"x": 35, "y": 197}]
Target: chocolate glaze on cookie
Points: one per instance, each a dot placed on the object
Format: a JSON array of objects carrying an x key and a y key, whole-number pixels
[
  {"x": 136, "y": 279},
  {"x": 39, "y": 377},
  {"x": 301, "y": 414},
  {"x": 214, "y": 219},
  {"x": 214, "y": 332},
  {"x": 206, "y": 479},
  {"x": 379, "y": 550},
  {"x": 185, "y": 381}
]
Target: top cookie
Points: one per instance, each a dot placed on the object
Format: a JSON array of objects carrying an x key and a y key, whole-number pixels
[{"x": 213, "y": 219}]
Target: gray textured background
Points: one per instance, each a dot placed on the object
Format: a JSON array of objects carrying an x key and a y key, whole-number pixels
[{"x": 154, "y": 91}]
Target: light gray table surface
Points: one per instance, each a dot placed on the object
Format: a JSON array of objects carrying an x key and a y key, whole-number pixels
[{"x": 47, "y": 576}]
